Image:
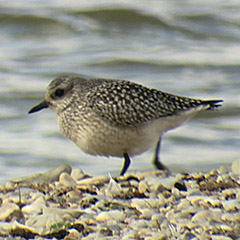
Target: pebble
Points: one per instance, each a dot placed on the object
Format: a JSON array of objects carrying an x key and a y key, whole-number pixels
[
  {"x": 231, "y": 205},
  {"x": 232, "y": 217},
  {"x": 183, "y": 204},
  {"x": 221, "y": 237},
  {"x": 74, "y": 195},
  {"x": 9, "y": 211},
  {"x": 113, "y": 189},
  {"x": 77, "y": 174},
  {"x": 147, "y": 213},
  {"x": 73, "y": 235},
  {"x": 141, "y": 203},
  {"x": 116, "y": 228},
  {"x": 143, "y": 187},
  {"x": 236, "y": 167},
  {"x": 66, "y": 180},
  {"x": 35, "y": 207},
  {"x": 158, "y": 217},
  {"x": 109, "y": 215},
  {"x": 167, "y": 182},
  {"x": 50, "y": 176},
  {"x": 94, "y": 181},
  {"x": 183, "y": 214},
  {"x": 91, "y": 236},
  {"x": 139, "y": 224},
  {"x": 202, "y": 216},
  {"x": 130, "y": 235},
  {"x": 43, "y": 223}
]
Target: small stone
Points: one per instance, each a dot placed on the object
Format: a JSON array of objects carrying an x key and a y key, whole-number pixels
[
  {"x": 88, "y": 219},
  {"x": 91, "y": 236},
  {"x": 170, "y": 214},
  {"x": 36, "y": 195},
  {"x": 133, "y": 183},
  {"x": 192, "y": 210},
  {"x": 143, "y": 187},
  {"x": 226, "y": 228},
  {"x": 131, "y": 213},
  {"x": 231, "y": 205},
  {"x": 74, "y": 195},
  {"x": 186, "y": 215},
  {"x": 223, "y": 170},
  {"x": 113, "y": 188},
  {"x": 67, "y": 213},
  {"x": 214, "y": 202},
  {"x": 43, "y": 223},
  {"x": 168, "y": 182},
  {"x": 9, "y": 185},
  {"x": 159, "y": 236},
  {"x": 224, "y": 178},
  {"x": 36, "y": 206},
  {"x": 181, "y": 222},
  {"x": 183, "y": 204},
  {"x": 220, "y": 237},
  {"x": 116, "y": 229},
  {"x": 140, "y": 203},
  {"x": 231, "y": 193},
  {"x": 192, "y": 185},
  {"x": 105, "y": 231},
  {"x": 159, "y": 217},
  {"x": 149, "y": 238},
  {"x": 232, "y": 217},
  {"x": 236, "y": 167},
  {"x": 73, "y": 235},
  {"x": 94, "y": 181},
  {"x": 204, "y": 215},
  {"x": 9, "y": 211},
  {"x": 194, "y": 199},
  {"x": 160, "y": 184},
  {"x": 109, "y": 215},
  {"x": 13, "y": 197},
  {"x": 77, "y": 174},
  {"x": 50, "y": 176},
  {"x": 147, "y": 213},
  {"x": 139, "y": 224},
  {"x": 217, "y": 213},
  {"x": 130, "y": 235},
  {"x": 88, "y": 201},
  {"x": 66, "y": 180},
  {"x": 188, "y": 236}
]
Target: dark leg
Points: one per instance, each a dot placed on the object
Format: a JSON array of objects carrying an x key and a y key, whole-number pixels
[
  {"x": 126, "y": 164},
  {"x": 156, "y": 160}
]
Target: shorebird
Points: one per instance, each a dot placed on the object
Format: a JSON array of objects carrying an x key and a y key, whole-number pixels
[{"x": 116, "y": 117}]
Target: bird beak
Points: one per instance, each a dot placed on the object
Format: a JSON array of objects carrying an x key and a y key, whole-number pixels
[{"x": 40, "y": 106}]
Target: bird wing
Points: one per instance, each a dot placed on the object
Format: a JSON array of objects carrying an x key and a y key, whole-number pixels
[{"x": 125, "y": 103}]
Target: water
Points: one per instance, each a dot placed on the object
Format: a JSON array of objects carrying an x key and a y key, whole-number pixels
[{"x": 189, "y": 48}]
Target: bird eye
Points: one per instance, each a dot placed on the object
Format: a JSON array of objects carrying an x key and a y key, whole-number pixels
[{"x": 59, "y": 93}]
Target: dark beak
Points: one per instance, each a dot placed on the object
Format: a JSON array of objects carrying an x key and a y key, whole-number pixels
[{"x": 40, "y": 106}]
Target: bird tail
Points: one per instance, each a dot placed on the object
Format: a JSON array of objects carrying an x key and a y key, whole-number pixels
[{"x": 212, "y": 104}]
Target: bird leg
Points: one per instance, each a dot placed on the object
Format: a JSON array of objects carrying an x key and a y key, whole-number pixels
[
  {"x": 126, "y": 163},
  {"x": 156, "y": 159}
]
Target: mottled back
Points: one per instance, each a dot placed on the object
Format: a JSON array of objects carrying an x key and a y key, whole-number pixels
[{"x": 126, "y": 103}]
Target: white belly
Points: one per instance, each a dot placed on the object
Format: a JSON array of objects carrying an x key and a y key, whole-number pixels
[{"x": 101, "y": 138}]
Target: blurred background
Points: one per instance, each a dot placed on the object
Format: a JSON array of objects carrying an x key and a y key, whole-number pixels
[{"x": 189, "y": 48}]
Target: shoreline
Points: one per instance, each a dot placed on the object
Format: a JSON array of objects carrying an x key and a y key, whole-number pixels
[{"x": 69, "y": 204}]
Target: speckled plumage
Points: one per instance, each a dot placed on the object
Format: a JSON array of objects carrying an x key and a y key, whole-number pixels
[
  {"x": 129, "y": 104},
  {"x": 117, "y": 117}
]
